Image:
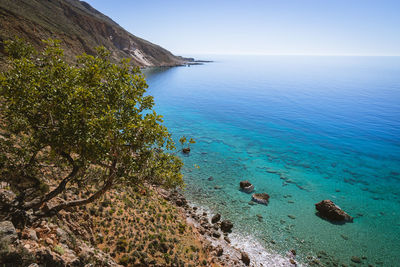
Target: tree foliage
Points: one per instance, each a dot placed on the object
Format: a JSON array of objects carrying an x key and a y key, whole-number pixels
[{"x": 91, "y": 122}]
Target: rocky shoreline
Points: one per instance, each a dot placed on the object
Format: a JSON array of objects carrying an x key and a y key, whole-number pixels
[
  {"x": 213, "y": 232},
  {"x": 72, "y": 239}
]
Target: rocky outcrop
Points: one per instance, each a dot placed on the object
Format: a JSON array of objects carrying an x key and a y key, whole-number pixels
[
  {"x": 262, "y": 198},
  {"x": 213, "y": 236},
  {"x": 6, "y": 199},
  {"x": 12, "y": 253},
  {"x": 178, "y": 199},
  {"x": 246, "y": 186},
  {"x": 81, "y": 28},
  {"x": 8, "y": 233},
  {"x": 216, "y": 218},
  {"x": 328, "y": 210},
  {"x": 245, "y": 258},
  {"x": 226, "y": 226}
]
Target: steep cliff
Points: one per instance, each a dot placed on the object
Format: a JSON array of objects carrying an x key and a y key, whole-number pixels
[{"x": 80, "y": 27}]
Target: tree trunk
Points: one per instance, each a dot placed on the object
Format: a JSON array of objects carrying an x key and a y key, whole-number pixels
[
  {"x": 81, "y": 202},
  {"x": 36, "y": 203}
]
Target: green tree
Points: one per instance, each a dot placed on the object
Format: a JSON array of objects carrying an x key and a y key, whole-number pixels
[{"x": 90, "y": 121}]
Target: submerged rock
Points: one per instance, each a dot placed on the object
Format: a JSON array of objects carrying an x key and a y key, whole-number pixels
[
  {"x": 355, "y": 259},
  {"x": 262, "y": 198},
  {"x": 328, "y": 210},
  {"x": 246, "y": 186}
]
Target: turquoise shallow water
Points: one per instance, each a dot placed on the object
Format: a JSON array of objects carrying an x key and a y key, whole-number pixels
[{"x": 301, "y": 129}]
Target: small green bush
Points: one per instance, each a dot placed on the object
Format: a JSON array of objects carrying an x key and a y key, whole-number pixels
[{"x": 59, "y": 250}]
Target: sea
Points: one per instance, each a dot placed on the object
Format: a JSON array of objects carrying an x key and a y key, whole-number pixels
[{"x": 301, "y": 129}]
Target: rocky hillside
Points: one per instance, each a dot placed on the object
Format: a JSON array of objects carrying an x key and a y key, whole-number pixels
[
  {"x": 125, "y": 228},
  {"x": 80, "y": 27},
  {"x": 145, "y": 227}
]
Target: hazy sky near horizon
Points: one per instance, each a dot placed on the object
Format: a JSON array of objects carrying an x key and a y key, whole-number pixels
[{"x": 312, "y": 27}]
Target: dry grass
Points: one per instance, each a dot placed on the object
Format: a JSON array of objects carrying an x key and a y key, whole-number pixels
[{"x": 140, "y": 228}]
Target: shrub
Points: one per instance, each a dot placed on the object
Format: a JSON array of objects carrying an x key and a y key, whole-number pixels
[
  {"x": 124, "y": 260},
  {"x": 92, "y": 117},
  {"x": 59, "y": 250}
]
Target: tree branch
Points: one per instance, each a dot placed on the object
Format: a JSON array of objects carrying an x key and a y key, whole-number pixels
[
  {"x": 81, "y": 202},
  {"x": 107, "y": 185},
  {"x": 33, "y": 157},
  {"x": 36, "y": 203}
]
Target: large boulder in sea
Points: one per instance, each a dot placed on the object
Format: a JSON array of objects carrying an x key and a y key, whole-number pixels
[
  {"x": 246, "y": 186},
  {"x": 262, "y": 198},
  {"x": 328, "y": 210}
]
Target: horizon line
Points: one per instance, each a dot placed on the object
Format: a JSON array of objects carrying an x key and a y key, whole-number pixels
[{"x": 287, "y": 54}]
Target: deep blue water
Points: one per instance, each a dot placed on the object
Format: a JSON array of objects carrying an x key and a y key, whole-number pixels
[{"x": 301, "y": 129}]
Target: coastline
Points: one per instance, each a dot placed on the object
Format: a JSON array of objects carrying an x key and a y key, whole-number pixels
[
  {"x": 187, "y": 63},
  {"x": 241, "y": 130},
  {"x": 226, "y": 249}
]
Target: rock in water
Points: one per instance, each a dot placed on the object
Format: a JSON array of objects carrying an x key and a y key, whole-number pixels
[
  {"x": 245, "y": 258},
  {"x": 216, "y": 218},
  {"x": 246, "y": 186},
  {"x": 186, "y": 150},
  {"x": 262, "y": 198},
  {"x": 328, "y": 210},
  {"x": 226, "y": 226},
  {"x": 355, "y": 259}
]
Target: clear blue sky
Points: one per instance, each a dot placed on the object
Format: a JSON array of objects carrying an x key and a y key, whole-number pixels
[{"x": 327, "y": 27}]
